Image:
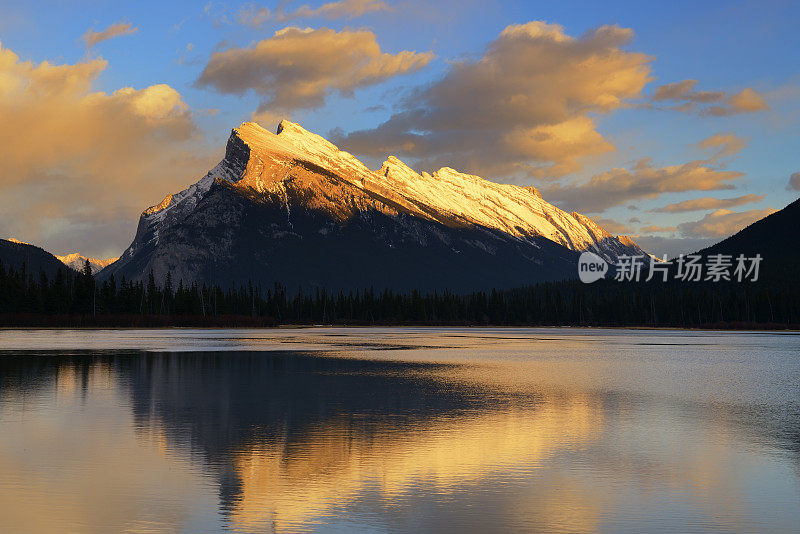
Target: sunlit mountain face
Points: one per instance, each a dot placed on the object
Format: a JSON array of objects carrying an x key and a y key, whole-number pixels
[
  {"x": 413, "y": 431},
  {"x": 291, "y": 207}
]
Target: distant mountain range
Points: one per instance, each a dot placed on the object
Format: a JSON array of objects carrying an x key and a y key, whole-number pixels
[
  {"x": 290, "y": 207},
  {"x": 77, "y": 262},
  {"x": 15, "y": 253}
]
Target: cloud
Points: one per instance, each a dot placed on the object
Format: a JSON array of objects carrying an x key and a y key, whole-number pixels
[
  {"x": 746, "y": 101},
  {"x": 696, "y": 235},
  {"x": 526, "y": 106},
  {"x": 671, "y": 246},
  {"x": 74, "y": 158},
  {"x": 794, "y": 182},
  {"x": 256, "y": 17},
  {"x": 717, "y": 103},
  {"x": 684, "y": 91},
  {"x": 722, "y": 223},
  {"x": 613, "y": 226},
  {"x": 118, "y": 29},
  {"x": 642, "y": 180},
  {"x": 653, "y": 229},
  {"x": 298, "y": 68},
  {"x": 709, "y": 203},
  {"x": 269, "y": 118},
  {"x": 725, "y": 143}
]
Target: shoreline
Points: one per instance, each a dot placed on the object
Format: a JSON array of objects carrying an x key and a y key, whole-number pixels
[{"x": 756, "y": 328}]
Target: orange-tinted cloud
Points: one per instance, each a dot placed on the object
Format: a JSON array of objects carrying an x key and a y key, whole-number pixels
[
  {"x": 725, "y": 143},
  {"x": 615, "y": 227},
  {"x": 722, "y": 222},
  {"x": 298, "y": 68},
  {"x": 718, "y": 103},
  {"x": 80, "y": 164},
  {"x": 642, "y": 180},
  {"x": 256, "y": 17},
  {"x": 654, "y": 229},
  {"x": 526, "y": 106},
  {"x": 709, "y": 203},
  {"x": 118, "y": 29}
]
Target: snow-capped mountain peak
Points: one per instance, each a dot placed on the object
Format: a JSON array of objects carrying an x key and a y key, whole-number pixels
[
  {"x": 447, "y": 195},
  {"x": 297, "y": 171},
  {"x": 76, "y": 261}
]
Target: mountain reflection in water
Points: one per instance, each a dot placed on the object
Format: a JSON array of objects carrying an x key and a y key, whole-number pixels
[{"x": 293, "y": 441}]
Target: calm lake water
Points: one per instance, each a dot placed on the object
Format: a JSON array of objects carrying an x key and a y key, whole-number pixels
[{"x": 398, "y": 430}]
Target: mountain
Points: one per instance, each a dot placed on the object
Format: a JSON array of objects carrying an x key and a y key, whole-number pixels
[
  {"x": 774, "y": 237},
  {"x": 76, "y": 261},
  {"x": 293, "y": 208},
  {"x": 15, "y": 253}
]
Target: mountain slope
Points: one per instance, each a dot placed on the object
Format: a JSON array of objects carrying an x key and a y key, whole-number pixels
[
  {"x": 774, "y": 237},
  {"x": 292, "y": 207},
  {"x": 14, "y": 253}
]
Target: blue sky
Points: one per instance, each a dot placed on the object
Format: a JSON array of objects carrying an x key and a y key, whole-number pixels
[{"x": 726, "y": 46}]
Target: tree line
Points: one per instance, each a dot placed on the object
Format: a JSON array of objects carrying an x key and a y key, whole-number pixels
[{"x": 78, "y": 299}]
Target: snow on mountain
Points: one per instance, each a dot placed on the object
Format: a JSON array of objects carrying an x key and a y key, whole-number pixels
[
  {"x": 76, "y": 262},
  {"x": 446, "y": 196},
  {"x": 295, "y": 169}
]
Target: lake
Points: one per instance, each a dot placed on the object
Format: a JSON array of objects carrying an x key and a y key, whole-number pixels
[{"x": 399, "y": 430}]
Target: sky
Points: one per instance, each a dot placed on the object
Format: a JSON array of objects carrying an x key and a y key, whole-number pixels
[{"x": 675, "y": 122}]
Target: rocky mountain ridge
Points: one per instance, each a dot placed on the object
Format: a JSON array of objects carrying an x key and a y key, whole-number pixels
[{"x": 294, "y": 188}]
